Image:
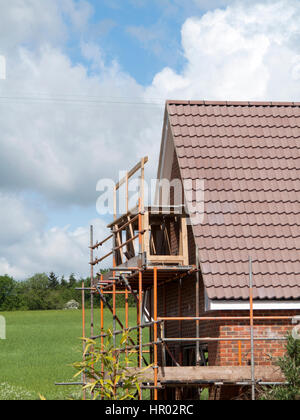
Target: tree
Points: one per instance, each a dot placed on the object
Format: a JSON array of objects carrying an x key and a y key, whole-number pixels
[
  {"x": 63, "y": 282},
  {"x": 37, "y": 292},
  {"x": 53, "y": 281},
  {"x": 7, "y": 286},
  {"x": 72, "y": 281},
  {"x": 290, "y": 366}
]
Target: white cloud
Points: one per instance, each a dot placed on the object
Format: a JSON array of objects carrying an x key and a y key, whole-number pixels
[
  {"x": 65, "y": 137},
  {"x": 17, "y": 219},
  {"x": 28, "y": 247},
  {"x": 245, "y": 52}
]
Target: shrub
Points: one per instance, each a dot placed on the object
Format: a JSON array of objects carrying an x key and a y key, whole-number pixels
[
  {"x": 290, "y": 366},
  {"x": 108, "y": 370}
]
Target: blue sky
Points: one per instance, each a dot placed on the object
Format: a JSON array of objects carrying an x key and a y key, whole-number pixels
[
  {"x": 143, "y": 36},
  {"x": 70, "y": 61}
]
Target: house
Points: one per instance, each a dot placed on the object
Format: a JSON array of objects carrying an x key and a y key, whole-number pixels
[
  {"x": 235, "y": 217},
  {"x": 248, "y": 155}
]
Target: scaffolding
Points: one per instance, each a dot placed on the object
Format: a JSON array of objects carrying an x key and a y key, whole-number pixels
[{"x": 143, "y": 260}]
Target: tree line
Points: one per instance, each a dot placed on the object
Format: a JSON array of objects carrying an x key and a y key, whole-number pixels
[{"x": 44, "y": 292}]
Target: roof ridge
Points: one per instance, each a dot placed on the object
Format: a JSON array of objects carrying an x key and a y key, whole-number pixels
[{"x": 233, "y": 103}]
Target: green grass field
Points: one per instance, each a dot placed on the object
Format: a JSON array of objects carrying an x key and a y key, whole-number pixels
[{"x": 38, "y": 351}]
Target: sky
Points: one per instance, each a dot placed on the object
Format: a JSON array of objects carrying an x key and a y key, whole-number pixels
[{"x": 84, "y": 93}]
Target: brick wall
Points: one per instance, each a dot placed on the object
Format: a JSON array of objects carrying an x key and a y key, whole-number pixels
[
  {"x": 180, "y": 300},
  {"x": 222, "y": 353},
  {"x": 266, "y": 352}
]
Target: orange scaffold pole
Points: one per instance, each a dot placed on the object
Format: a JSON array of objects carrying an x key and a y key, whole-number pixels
[{"x": 155, "y": 334}]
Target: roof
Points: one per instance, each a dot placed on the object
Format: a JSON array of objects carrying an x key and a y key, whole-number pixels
[{"x": 248, "y": 154}]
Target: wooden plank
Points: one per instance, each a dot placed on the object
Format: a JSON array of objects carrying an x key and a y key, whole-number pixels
[
  {"x": 188, "y": 374},
  {"x": 129, "y": 235},
  {"x": 122, "y": 219},
  {"x": 98, "y": 244},
  {"x": 120, "y": 247},
  {"x": 142, "y": 190},
  {"x": 132, "y": 172},
  {"x": 184, "y": 238},
  {"x": 127, "y": 193},
  {"x": 146, "y": 227},
  {"x": 115, "y": 203},
  {"x": 126, "y": 243},
  {"x": 166, "y": 258},
  {"x": 125, "y": 225}
]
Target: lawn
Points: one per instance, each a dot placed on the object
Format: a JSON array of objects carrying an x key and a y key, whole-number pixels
[{"x": 38, "y": 351}]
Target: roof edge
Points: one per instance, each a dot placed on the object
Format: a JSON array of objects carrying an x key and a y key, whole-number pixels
[{"x": 232, "y": 103}]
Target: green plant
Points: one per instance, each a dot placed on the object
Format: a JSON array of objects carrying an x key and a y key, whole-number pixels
[
  {"x": 108, "y": 370},
  {"x": 290, "y": 367}
]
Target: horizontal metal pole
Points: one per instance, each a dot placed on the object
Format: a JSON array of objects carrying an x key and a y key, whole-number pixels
[
  {"x": 137, "y": 167},
  {"x": 148, "y": 325},
  {"x": 71, "y": 384},
  {"x": 207, "y": 339},
  {"x": 127, "y": 224},
  {"x": 225, "y": 318},
  {"x": 129, "y": 241},
  {"x": 101, "y": 259},
  {"x": 98, "y": 244}
]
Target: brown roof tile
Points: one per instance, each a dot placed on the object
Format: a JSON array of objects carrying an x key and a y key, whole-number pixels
[{"x": 248, "y": 155}]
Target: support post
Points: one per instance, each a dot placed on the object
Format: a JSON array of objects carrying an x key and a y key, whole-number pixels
[
  {"x": 140, "y": 320},
  {"x": 83, "y": 334},
  {"x": 92, "y": 279},
  {"x": 126, "y": 318},
  {"x": 155, "y": 333},
  {"x": 252, "y": 329},
  {"x": 127, "y": 193},
  {"x": 163, "y": 347},
  {"x": 197, "y": 307},
  {"x": 92, "y": 285},
  {"x": 180, "y": 322},
  {"x": 102, "y": 324}
]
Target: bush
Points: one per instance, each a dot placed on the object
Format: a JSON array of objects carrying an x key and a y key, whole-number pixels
[
  {"x": 108, "y": 370},
  {"x": 290, "y": 366}
]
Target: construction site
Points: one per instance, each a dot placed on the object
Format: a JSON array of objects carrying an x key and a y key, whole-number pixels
[{"x": 193, "y": 344}]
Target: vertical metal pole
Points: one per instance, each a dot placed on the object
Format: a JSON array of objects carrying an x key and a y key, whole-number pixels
[
  {"x": 252, "y": 328},
  {"x": 92, "y": 280},
  {"x": 140, "y": 304},
  {"x": 197, "y": 307},
  {"x": 114, "y": 297},
  {"x": 115, "y": 203},
  {"x": 180, "y": 322},
  {"x": 127, "y": 193},
  {"x": 92, "y": 284},
  {"x": 142, "y": 192},
  {"x": 164, "y": 356},
  {"x": 155, "y": 334},
  {"x": 140, "y": 319},
  {"x": 114, "y": 303},
  {"x": 83, "y": 333},
  {"x": 126, "y": 317},
  {"x": 240, "y": 353},
  {"x": 102, "y": 323}
]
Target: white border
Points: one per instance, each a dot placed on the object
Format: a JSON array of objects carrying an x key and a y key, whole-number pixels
[{"x": 269, "y": 305}]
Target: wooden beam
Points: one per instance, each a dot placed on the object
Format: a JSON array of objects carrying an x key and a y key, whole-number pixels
[
  {"x": 166, "y": 258},
  {"x": 218, "y": 374},
  {"x": 133, "y": 212},
  {"x": 184, "y": 239},
  {"x": 147, "y": 233},
  {"x": 137, "y": 167}
]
